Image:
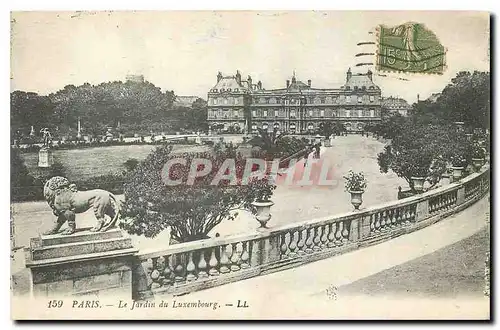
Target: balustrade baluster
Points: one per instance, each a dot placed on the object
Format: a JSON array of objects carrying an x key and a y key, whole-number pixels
[
  {"x": 202, "y": 265},
  {"x": 224, "y": 260},
  {"x": 293, "y": 245},
  {"x": 245, "y": 255},
  {"x": 393, "y": 218},
  {"x": 317, "y": 239},
  {"x": 324, "y": 236},
  {"x": 155, "y": 274},
  {"x": 408, "y": 214},
  {"x": 382, "y": 221},
  {"x": 338, "y": 234},
  {"x": 397, "y": 216},
  {"x": 284, "y": 246},
  {"x": 377, "y": 222},
  {"x": 372, "y": 224},
  {"x": 331, "y": 235},
  {"x": 402, "y": 216},
  {"x": 179, "y": 270},
  {"x": 213, "y": 263},
  {"x": 167, "y": 272},
  {"x": 301, "y": 242},
  {"x": 345, "y": 232},
  {"x": 190, "y": 268},
  {"x": 235, "y": 257},
  {"x": 309, "y": 240}
]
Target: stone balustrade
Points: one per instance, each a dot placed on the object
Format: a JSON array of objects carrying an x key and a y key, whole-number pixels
[{"x": 187, "y": 267}]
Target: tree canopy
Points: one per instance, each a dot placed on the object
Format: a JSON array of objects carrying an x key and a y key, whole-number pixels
[
  {"x": 130, "y": 107},
  {"x": 465, "y": 99}
]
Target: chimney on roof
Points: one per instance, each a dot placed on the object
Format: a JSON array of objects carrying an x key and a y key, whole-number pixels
[
  {"x": 349, "y": 74},
  {"x": 259, "y": 85},
  {"x": 238, "y": 77},
  {"x": 249, "y": 79},
  {"x": 287, "y": 83},
  {"x": 309, "y": 82},
  {"x": 219, "y": 76},
  {"x": 370, "y": 74}
]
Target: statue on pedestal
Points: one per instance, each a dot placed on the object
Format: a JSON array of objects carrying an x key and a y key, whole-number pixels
[
  {"x": 47, "y": 137},
  {"x": 45, "y": 155},
  {"x": 66, "y": 201}
]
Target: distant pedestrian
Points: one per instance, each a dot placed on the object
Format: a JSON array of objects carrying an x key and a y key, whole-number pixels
[{"x": 317, "y": 152}]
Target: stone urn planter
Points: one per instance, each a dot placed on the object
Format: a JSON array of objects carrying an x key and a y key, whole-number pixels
[
  {"x": 418, "y": 183},
  {"x": 477, "y": 163},
  {"x": 356, "y": 198},
  {"x": 457, "y": 172},
  {"x": 263, "y": 212}
]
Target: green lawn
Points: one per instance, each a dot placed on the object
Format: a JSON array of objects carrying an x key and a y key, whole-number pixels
[{"x": 89, "y": 162}]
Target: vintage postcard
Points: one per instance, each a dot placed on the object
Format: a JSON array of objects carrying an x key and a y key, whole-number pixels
[{"x": 249, "y": 165}]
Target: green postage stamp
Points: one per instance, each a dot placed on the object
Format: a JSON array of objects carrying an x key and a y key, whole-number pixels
[{"x": 410, "y": 48}]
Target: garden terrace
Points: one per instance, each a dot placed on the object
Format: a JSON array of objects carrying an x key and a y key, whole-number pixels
[{"x": 188, "y": 267}]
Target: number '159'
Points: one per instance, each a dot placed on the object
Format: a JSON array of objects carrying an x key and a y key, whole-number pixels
[{"x": 55, "y": 303}]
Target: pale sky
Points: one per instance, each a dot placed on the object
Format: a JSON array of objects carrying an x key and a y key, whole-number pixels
[{"x": 183, "y": 51}]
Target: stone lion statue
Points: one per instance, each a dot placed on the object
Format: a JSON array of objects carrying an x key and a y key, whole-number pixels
[{"x": 65, "y": 201}]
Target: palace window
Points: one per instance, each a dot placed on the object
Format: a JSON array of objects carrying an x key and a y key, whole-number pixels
[
  {"x": 322, "y": 100},
  {"x": 348, "y": 98},
  {"x": 275, "y": 113},
  {"x": 322, "y": 113},
  {"x": 214, "y": 101},
  {"x": 348, "y": 113},
  {"x": 360, "y": 99},
  {"x": 277, "y": 100},
  {"x": 254, "y": 113},
  {"x": 235, "y": 100},
  {"x": 267, "y": 100},
  {"x": 292, "y": 113},
  {"x": 265, "y": 113},
  {"x": 236, "y": 113},
  {"x": 225, "y": 101},
  {"x": 310, "y": 113},
  {"x": 372, "y": 98}
]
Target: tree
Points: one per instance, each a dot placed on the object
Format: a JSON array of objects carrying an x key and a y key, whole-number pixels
[
  {"x": 268, "y": 142},
  {"x": 190, "y": 210},
  {"x": 21, "y": 180},
  {"x": 466, "y": 98},
  {"x": 326, "y": 129},
  {"x": 418, "y": 151},
  {"x": 29, "y": 109}
]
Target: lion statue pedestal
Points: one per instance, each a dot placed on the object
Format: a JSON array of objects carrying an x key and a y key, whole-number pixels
[
  {"x": 82, "y": 263},
  {"x": 95, "y": 260}
]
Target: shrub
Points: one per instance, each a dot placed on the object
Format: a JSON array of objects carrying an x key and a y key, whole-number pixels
[{"x": 191, "y": 211}]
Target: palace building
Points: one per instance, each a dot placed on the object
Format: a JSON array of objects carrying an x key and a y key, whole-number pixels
[{"x": 242, "y": 105}]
